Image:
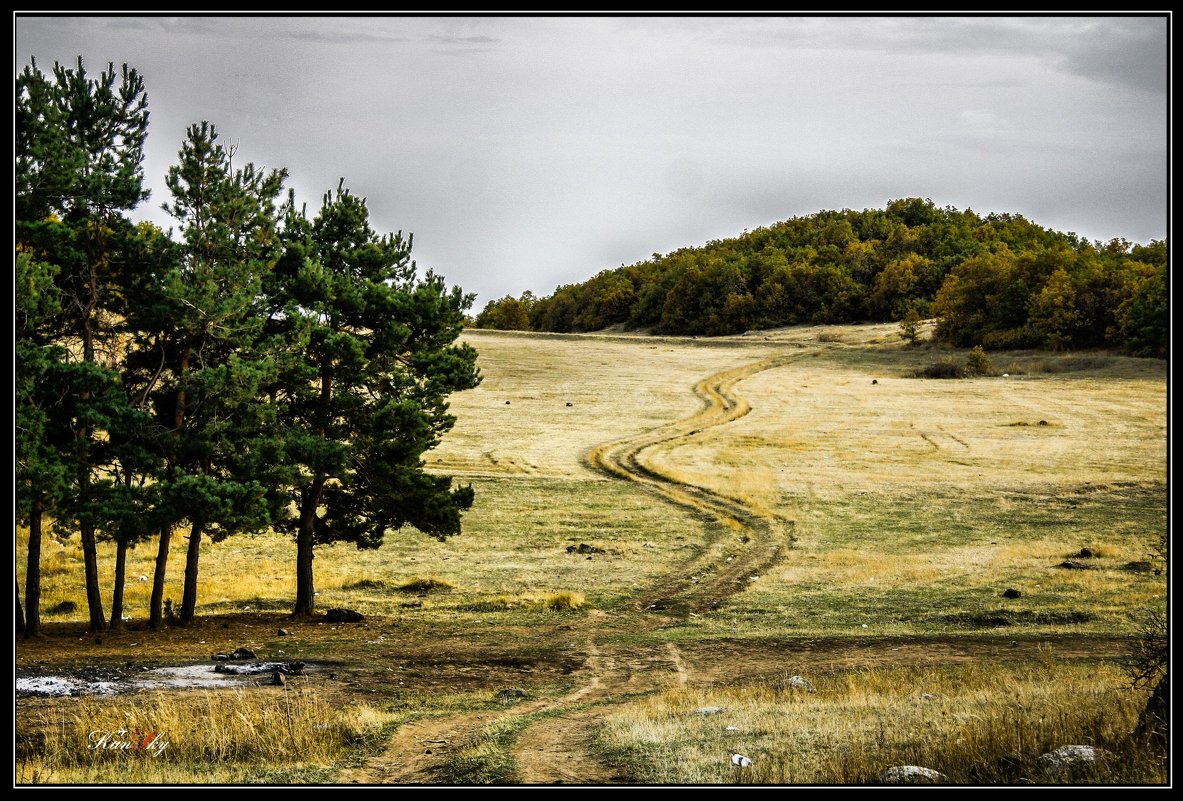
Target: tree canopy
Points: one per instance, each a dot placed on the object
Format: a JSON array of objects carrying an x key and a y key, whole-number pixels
[{"x": 997, "y": 281}]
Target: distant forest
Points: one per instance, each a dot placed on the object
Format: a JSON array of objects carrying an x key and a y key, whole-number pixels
[{"x": 999, "y": 281}]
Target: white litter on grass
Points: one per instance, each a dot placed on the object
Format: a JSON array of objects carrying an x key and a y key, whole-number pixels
[
  {"x": 865, "y": 625},
  {"x": 731, "y": 728},
  {"x": 740, "y": 761}
]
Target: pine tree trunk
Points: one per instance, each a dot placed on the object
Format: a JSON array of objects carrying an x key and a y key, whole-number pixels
[
  {"x": 192, "y": 555},
  {"x": 305, "y": 538},
  {"x": 120, "y": 578},
  {"x": 33, "y": 575},
  {"x": 94, "y": 595},
  {"x": 20, "y": 613},
  {"x": 156, "y": 607}
]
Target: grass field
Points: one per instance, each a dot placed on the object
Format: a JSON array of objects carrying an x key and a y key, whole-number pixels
[{"x": 885, "y": 514}]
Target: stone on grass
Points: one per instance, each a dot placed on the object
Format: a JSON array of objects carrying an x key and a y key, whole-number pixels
[
  {"x": 343, "y": 616},
  {"x": 1070, "y": 565},
  {"x": 911, "y": 774},
  {"x": 511, "y": 694},
  {"x": 1011, "y": 592},
  {"x": 709, "y": 710},
  {"x": 740, "y": 761},
  {"x": 1069, "y": 759},
  {"x": 242, "y": 653},
  {"x": 795, "y": 683}
]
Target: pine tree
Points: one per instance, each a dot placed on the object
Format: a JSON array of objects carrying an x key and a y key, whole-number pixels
[
  {"x": 79, "y": 149},
  {"x": 368, "y": 361},
  {"x": 204, "y": 318}
]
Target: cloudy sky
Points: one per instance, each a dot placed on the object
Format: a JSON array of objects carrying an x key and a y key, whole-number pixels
[{"x": 528, "y": 152}]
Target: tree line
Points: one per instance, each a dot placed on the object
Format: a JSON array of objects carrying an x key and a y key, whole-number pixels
[
  {"x": 999, "y": 281},
  {"x": 254, "y": 368}
]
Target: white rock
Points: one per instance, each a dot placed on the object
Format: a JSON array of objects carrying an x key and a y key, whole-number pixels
[
  {"x": 911, "y": 774},
  {"x": 1067, "y": 758},
  {"x": 143, "y": 578},
  {"x": 799, "y": 683},
  {"x": 731, "y": 728},
  {"x": 740, "y": 761}
]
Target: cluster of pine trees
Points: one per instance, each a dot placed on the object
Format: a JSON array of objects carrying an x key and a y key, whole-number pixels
[
  {"x": 998, "y": 281},
  {"x": 257, "y": 369}
]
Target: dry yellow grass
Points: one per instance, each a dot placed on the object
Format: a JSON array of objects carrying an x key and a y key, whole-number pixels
[{"x": 974, "y": 723}]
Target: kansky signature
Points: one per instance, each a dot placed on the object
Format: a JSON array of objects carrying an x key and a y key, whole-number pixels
[{"x": 152, "y": 742}]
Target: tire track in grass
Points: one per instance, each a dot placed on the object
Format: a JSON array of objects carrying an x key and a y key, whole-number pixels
[{"x": 557, "y": 747}]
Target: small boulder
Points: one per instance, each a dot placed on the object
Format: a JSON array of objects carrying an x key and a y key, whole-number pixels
[
  {"x": 874, "y": 380},
  {"x": 796, "y": 683},
  {"x": 1043, "y": 422},
  {"x": 1012, "y": 593},
  {"x": 1068, "y": 760},
  {"x": 278, "y": 680},
  {"x": 1085, "y": 553},
  {"x": 284, "y": 633},
  {"x": 219, "y": 657},
  {"x": 911, "y": 774},
  {"x": 710, "y": 710},
  {"x": 343, "y": 616},
  {"x": 1070, "y": 565},
  {"x": 583, "y": 548},
  {"x": 740, "y": 761},
  {"x": 507, "y": 403},
  {"x": 242, "y": 653},
  {"x": 569, "y": 403},
  {"x": 510, "y": 694}
]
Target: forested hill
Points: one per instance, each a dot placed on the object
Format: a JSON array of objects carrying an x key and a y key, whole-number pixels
[{"x": 1000, "y": 281}]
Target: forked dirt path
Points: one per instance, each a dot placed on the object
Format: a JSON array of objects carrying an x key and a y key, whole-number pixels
[{"x": 557, "y": 746}]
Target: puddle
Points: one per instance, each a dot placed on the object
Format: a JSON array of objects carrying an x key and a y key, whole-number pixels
[{"x": 200, "y": 676}]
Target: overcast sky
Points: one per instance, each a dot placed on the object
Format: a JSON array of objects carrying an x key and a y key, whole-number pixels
[{"x": 528, "y": 152}]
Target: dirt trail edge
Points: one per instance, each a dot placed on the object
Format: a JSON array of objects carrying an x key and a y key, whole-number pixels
[{"x": 555, "y": 748}]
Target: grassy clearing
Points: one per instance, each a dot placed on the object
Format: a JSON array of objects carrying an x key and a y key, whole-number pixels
[
  {"x": 914, "y": 505},
  {"x": 976, "y": 723}
]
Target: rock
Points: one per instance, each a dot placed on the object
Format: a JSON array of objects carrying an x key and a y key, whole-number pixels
[
  {"x": 569, "y": 403},
  {"x": 1011, "y": 592},
  {"x": 242, "y": 653},
  {"x": 278, "y": 680},
  {"x": 219, "y": 657},
  {"x": 583, "y": 548},
  {"x": 511, "y": 694},
  {"x": 874, "y": 380},
  {"x": 293, "y": 668},
  {"x": 710, "y": 710},
  {"x": 740, "y": 761},
  {"x": 1043, "y": 422},
  {"x": 416, "y": 604},
  {"x": 1138, "y": 567},
  {"x": 283, "y": 633},
  {"x": 1069, "y": 759},
  {"x": 507, "y": 403},
  {"x": 731, "y": 728},
  {"x": 1085, "y": 553},
  {"x": 343, "y": 616},
  {"x": 1070, "y": 565},
  {"x": 911, "y": 774},
  {"x": 795, "y": 683},
  {"x": 143, "y": 578}
]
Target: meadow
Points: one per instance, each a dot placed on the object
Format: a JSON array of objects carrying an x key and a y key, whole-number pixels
[{"x": 786, "y": 503}]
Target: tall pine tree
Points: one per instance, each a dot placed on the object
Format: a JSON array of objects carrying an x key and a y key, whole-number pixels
[{"x": 369, "y": 357}]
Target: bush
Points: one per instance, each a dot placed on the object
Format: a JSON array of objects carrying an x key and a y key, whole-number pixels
[
  {"x": 978, "y": 363},
  {"x": 942, "y": 369}
]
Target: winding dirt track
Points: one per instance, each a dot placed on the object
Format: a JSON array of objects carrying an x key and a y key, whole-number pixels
[{"x": 556, "y": 747}]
